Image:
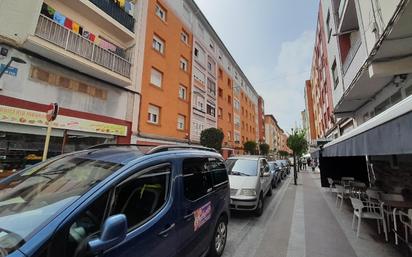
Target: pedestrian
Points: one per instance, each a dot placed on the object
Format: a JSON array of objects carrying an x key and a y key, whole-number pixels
[{"x": 313, "y": 166}]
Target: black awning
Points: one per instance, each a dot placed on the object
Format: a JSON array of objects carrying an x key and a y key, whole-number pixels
[
  {"x": 384, "y": 135},
  {"x": 314, "y": 154}
]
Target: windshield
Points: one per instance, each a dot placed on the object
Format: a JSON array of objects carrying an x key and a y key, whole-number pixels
[
  {"x": 239, "y": 167},
  {"x": 29, "y": 199}
]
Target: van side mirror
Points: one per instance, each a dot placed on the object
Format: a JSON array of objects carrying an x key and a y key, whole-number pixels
[{"x": 114, "y": 231}]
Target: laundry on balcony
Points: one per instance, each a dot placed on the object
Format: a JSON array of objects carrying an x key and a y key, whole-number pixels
[
  {"x": 59, "y": 18},
  {"x": 47, "y": 11}
]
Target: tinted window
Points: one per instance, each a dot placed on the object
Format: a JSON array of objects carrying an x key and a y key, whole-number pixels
[
  {"x": 218, "y": 170},
  {"x": 29, "y": 199},
  {"x": 197, "y": 179},
  {"x": 140, "y": 197},
  {"x": 242, "y": 167}
]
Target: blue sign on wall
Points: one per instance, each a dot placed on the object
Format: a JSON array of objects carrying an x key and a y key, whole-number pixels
[{"x": 12, "y": 71}]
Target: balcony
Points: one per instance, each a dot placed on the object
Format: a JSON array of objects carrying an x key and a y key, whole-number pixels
[
  {"x": 347, "y": 16},
  {"x": 351, "y": 54},
  {"x": 72, "y": 42},
  {"x": 114, "y": 11}
]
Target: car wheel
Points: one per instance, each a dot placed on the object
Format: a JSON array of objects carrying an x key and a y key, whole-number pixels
[
  {"x": 274, "y": 185},
  {"x": 259, "y": 207},
  {"x": 219, "y": 238}
]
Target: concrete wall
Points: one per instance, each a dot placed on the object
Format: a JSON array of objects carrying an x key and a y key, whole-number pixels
[{"x": 24, "y": 87}]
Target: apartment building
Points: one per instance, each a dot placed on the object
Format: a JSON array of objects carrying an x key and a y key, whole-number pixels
[
  {"x": 272, "y": 133},
  {"x": 371, "y": 66},
  {"x": 320, "y": 81},
  {"x": 185, "y": 62},
  {"x": 261, "y": 119},
  {"x": 311, "y": 129},
  {"x": 79, "y": 54}
]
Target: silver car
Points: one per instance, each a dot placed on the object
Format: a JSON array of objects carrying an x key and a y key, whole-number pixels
[{"x": 250, "y": 181}]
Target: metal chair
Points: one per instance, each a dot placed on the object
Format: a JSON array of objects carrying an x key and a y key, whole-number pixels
[
  {"x": 375, "y": 211},
  {"x": 340, "y": 194},
  {"x": 388, "y": 209},
  {"x": 406, "y": 220}
]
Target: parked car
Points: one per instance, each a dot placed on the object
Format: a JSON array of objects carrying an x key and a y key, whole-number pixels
[
  {"x": 250, "y": 181},
  {"x": 286, "y": 164},
  {"x": 276, "y": 173},
  {"x": 282, "y": 166},
  {"x": 118, "y": 201}
]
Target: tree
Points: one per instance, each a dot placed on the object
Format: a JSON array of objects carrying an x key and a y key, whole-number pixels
[
  {"x": 264, "y": 149},
  {"x": 299, "y": 145},
  {"x": 283, "y": 154},
  {"x": 212, "y": 137},
  {"x": 250, "y": 147}
]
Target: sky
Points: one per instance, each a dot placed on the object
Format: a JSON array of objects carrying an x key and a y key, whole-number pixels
[{"x": 272, "y": 41}]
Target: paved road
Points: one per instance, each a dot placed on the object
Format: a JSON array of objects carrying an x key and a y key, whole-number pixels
[{"x": 252, "y": 236}]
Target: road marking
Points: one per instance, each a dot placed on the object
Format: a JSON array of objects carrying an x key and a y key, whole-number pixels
[{"x": 297, "y": 242}]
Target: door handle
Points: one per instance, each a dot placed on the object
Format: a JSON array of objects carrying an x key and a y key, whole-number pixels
[{"x": 165, "y": 232}]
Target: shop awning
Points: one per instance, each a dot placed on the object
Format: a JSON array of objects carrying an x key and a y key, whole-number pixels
[{"x": 387, "y": 133}]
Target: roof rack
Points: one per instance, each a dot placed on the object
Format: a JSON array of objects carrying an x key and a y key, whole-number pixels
[
  {"x": 101, "y": 146},
  {"x": 156, "y": 148},
  {"x": 164, "y": 148}
]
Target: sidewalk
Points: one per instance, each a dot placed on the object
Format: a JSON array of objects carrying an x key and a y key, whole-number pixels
[{"x": 319, "y": 229}]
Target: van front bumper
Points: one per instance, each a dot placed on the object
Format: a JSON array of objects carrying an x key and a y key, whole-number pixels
[{"x": 243, "y": 204}]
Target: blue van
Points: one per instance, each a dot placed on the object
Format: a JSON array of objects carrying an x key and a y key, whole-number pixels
[{"x": 116, "y": 200}]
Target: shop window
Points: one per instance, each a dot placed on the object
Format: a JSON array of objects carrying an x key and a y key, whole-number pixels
[
  {"x": 142, "y": 197},
  {"x": 197, "y": 180}
]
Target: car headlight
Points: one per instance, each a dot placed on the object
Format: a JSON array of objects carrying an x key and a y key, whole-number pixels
[{"x": 248, "y": 192}]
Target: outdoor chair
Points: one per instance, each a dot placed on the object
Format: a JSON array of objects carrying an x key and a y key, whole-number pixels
[
  {"x": 346, "y": 181},
  {"x": 331, "y": 184},
  {"x": 373, "y": 211},
  {"x": 341, "y": 194},
  {"x": 406, "y": 220},
  {"x": 387, "y": 208}
]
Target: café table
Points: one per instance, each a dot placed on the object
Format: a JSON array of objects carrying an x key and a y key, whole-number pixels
[{"x": 396, "y": 205}]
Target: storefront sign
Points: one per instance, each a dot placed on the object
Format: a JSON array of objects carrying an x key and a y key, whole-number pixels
[
  {"x": 33, "y": 118},
  {"x": 12, "y": 71}
]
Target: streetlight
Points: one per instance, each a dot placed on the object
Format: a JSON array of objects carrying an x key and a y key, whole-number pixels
[{"x": 13, "y": 59}]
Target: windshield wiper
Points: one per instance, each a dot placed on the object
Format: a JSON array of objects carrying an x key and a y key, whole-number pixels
[{"x": 239, "y": 173}]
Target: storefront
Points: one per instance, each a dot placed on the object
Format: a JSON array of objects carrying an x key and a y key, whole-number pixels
[{"x": 23, "y": 128}]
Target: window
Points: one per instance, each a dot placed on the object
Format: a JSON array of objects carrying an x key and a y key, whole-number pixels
[
  {"x": 141, "y": 197},
  {"x": 160, "y": 12},
  {"x": 328, "y": 27},
  {"x": 158, "y": 44},
  {"x": 200, "y": 55},
  {"x": 228, "y": 136},
  {"x": 182, "y": 92},
  {"x": 183, "y": 64},
  {"x": 220, "y": 73},
  {"x": 211, "y": 66},
  {"x": 181, "y": 121},
  {"x": 229, "y": 99},
  {"x": 156, "y": 78},
  {"x": 220, "y": 92},
  {"x": 219, "y": 112},
  {"x": 211, "y": 110},
  {"x": 153, "y": 114},
  {"x": 230, "y": 116},
  {"x": 335, "y": 74},
  {"x": 229, "y": 82},
  {"x": 218, "y": 170},
  {"x": 237, "y": 122},
  {"x": 184, "y": 37},
  {"x": 200, "y": 103},
  {"x": 197, "y": 180},
  {"x": 211, "y": 87},
  {"x": 236, "y": 104},
  {"x": 199, "y": 76}
]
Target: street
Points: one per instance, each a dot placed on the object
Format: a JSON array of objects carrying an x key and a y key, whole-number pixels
[
  {"x": 252, "y": 236},
  {"x": 302, "y": 221}
]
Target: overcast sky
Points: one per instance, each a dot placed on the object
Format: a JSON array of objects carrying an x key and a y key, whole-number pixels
[{"x": 272, "y": 41}]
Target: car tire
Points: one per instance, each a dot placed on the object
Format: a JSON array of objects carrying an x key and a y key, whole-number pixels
[
  {"x": 218, "y": 243},
  {"x": 274, "y": 184},
  {"x": 259, "y": 207}
]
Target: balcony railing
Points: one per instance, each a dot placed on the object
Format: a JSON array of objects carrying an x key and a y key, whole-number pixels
[
  {"x": 59, "y": 35},
  {"x": 351, "y": 54},
  {"x": 114, "y": 11}
]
